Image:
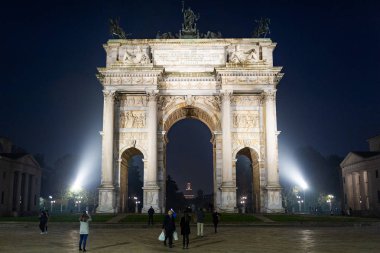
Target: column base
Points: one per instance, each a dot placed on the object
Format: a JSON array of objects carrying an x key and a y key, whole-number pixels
[
  {"x": 228, "y": 198},
  {"x": 273, "y": 203},
  {"x": 107, "y": 203},
  {"x": 151, "y": 199}
]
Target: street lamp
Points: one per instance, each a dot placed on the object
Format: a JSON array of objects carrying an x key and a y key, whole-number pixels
[
  {"x": 302, "y": 183},
  {"x": 329, "y": 200},
  {"x": 137, "y": 202},
  {"x": 243, "y": 201},
  {"x": 51, "y": 205},
  {"x": 78, "y": 204},
  {"x": 300, "y": 201}
]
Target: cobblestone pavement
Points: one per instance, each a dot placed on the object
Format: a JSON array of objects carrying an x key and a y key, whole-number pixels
[{"x": 64, "y": 238}]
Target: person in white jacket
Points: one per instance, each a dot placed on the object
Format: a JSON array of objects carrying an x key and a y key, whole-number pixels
[{"x": 84, "y": 229}]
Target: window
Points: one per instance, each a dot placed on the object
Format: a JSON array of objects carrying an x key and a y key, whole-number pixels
[
  {"x": 377, "y": 173},
  {"x": 378, "y": 196},
  {"x": 345, "y": 198},
  {"x": 2, "y": 197},
  {"x": 4, "y": 175}
]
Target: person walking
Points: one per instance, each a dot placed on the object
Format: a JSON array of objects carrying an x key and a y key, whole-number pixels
[
  {"x": 47, "y": 220},
  {"x": 150, "y": 216},
  {"x": 185, "y": 230},
  {"x": 200, "y": 221},
  {"x": 215, "y": 220},
  {"x": 169, "y": 227},
  {"x": 43, "y": 221},
  {"x": 84, "y": 220}
]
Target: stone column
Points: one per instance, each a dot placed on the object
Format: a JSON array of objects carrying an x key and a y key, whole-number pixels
[
  {"x": 118, "y": 190},
  {"x": 25, "y": 196},
  {"x": 10, "y": 196},
  {"x": 356, "y": 191},
  {"x": 274, "y": 202},
  {"x": 32, "y": 192},
  {"x": 228, "y": 186},
  {"x": 151, "y": 188},
  {"x": 18, "y": 193},
  {"x": 107, "y": 188},
  {"x": 218, "y": 166},
  {"x": 349, "y": 190},
  {"x": 161, "y": 180}
]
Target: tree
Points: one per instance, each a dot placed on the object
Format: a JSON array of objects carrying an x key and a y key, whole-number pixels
[
  {"x": 322, "y": 174},
  {"x": 174, "y": 199}
]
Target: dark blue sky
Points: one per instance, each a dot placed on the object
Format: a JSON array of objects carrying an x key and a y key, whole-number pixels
[{"x": 51, "y": 102}]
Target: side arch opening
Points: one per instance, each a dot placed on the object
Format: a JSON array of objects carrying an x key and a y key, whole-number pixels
[
  {"x": 131, "y": 180},
  {"x": 248, "y": 180}
]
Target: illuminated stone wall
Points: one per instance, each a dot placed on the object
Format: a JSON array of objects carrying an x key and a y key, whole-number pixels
[{"x": 150, "y": 84}]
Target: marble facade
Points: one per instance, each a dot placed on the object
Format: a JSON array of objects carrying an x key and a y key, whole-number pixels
[{"x": 150, "y": 84}]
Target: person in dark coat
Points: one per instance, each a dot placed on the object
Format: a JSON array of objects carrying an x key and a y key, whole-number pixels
[
  {"x": 185, "y": 229},
  {"x": 150, "y": 215},
  {"x": 169, "y": 227},
  {"x": 43, "y": 221},
  {"x": 215, "y": 219},
  {"x": 47, "y": 220}
]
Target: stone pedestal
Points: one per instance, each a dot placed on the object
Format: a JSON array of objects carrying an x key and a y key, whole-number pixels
[
  {"x": 151, "y": 199},
  {"x": 106, "y": 200},
  {"x": 274, "y": 200},
  {"x": 228, "y": 204}
]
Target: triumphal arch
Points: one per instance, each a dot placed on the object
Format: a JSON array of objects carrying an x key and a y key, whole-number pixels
[{"x": 228, "y": 84}]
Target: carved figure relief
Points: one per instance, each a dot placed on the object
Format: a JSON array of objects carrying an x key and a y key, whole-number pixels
[
  {"x": 212, "y": 101},
  {"x": 132, "y": 101},
  {"x": 132, "y": 119},
  {"x": 188, "y": 85},
  {"x": 236, "y": 55},
  {"x": 246, "y": 100},
  {"x": 246, "y": 119},
  {"x": 138, "y": 56},
  {"x": 165, "y": 102}
]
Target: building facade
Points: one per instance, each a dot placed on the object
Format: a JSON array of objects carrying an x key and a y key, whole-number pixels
[
  {"x": 20, "y": 180},
  {"x": 361, "y": 180},
  {"x": 228, "y": 84}
]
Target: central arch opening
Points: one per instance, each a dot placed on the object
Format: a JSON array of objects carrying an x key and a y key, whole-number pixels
[{"x": 189, "y": 165}]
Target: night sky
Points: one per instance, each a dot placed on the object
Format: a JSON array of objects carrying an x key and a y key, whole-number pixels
[{"x": 51, "y": 102}]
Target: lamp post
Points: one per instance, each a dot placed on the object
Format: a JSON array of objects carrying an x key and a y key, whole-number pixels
[
  {"x": 78, "y": 204},
  {"x": 243, "y": 201},
  {"x": 137, "y": 202},
  {"x": 51, "y": 205},
  {"x": 304, "y": 200},
  {"x": 300, "y": 201},
  {"x": 329, "y": 200}
]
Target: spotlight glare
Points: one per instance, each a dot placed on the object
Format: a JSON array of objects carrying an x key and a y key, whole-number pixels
[{"x": 76, "y": 187}]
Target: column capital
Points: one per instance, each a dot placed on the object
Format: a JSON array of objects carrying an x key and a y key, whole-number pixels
[
  {"x": 269, "y": 95},
  {"x": 109, "y": 94},
  {"x": 226, "y": 95},
  {"x": 152, "y": 95}
]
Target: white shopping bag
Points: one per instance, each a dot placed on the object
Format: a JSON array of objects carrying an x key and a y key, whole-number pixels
[
  {"x": 175, "y": 235},
  {"x": 161, "y": 237}
]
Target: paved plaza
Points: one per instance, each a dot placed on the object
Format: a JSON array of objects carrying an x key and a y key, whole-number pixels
[{"x": 64, "y": 238}]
